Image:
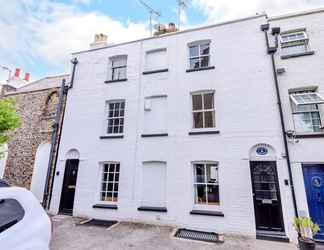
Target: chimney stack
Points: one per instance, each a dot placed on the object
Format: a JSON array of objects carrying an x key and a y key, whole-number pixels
[
  {"x": 27, "y": 77},
  {"x": 17, "y": 72},
  {"x": 162, "y": 29},
  {"x": 100, "y": 41}
]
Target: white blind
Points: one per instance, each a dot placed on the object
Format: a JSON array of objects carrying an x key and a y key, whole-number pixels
[
  {"x": 155, "y": 115},
  {"x": 154, "y": 184},
  {"x": 156, "y": 60}
]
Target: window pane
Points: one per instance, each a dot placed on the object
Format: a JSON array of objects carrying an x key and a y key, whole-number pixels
[
  {"x": 194, "y": 63},
  {"x": 110, "y": 187},
  {"x": 209, "y": 101},
  {"x": 316, "y": 120},
  {"x": 198, "y": 119},
  {"x": 117, "y": 169},
  {"x": 209, "y": 119},
  {"x": 204, "y": 49},
  {"x": 119, "y": 61},
  {"x": 204, "y": 61},
  {"x": 213, "y": 194},
  {"x": 212, "y": 173},
  {"x": 104, "y": 187},
  {"x": 201, "y": 194},
  {"x": 193, "y": 51},
  {"x": 197, "y": 102},
  {"x": 303, "y": 122},
  {"x": 111, "y": 176},
  {"x": 200, "y": 173}
]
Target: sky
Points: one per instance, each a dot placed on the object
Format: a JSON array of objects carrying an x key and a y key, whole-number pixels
[{"x": 39, "y": 36}]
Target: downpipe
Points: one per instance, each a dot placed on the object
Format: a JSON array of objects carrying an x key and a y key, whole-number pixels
[
  {"x": 56, "y": 137},
  {"x": 271, "y": 52}
]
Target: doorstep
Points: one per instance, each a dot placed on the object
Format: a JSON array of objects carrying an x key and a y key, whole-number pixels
[{"x": 272, "y": 236}]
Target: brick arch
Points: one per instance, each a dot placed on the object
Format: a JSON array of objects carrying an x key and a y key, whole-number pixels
[{"x": 51, "y": 104}]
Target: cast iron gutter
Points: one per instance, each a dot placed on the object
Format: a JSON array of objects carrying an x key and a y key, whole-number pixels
[
  {"x": 56, "y": 138},
  {"x": 271, "y": 51}
]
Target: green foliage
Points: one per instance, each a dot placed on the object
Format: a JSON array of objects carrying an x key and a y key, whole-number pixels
[
  {"x": 305, "y": 227},
  {"x": 9, "y": 119}
]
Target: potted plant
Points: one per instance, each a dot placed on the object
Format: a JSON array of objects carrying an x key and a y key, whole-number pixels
[{"x": 306, "y": 229}]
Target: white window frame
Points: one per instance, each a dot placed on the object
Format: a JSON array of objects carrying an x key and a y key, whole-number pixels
[
  {"x": 293, "y": 42},
  {"x": 199, "y": 56},
  {"x": 107, "y": 118},
  {"x": 113, "y": 68},
  {"x": 101, "y": 176},
  {"x": 194, "y": 184},
  {"x": 203, "y": 92},
  {"x": 293, "y": 98},
  {"x": 295, "y": 102}
]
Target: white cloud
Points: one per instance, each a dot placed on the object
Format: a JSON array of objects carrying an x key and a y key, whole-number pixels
[
  {"x": 48, "y": 32},
  {"x": 220, "y": 10}
]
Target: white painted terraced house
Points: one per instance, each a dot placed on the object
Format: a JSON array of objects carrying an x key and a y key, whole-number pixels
[{"x": 183, "y": 129}]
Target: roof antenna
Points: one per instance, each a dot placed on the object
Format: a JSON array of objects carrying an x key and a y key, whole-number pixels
[
  {"x": 153, "y": 13},
  {"x": 182, "y": 4}
]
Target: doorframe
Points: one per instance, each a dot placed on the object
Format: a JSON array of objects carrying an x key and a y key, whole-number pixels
[
  {"x": 61, "y": 210},
  {"x": 279, "y": 196}
]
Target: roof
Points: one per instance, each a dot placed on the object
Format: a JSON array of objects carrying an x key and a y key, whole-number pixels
[
  {"x": 176, "y": 33},
  {"x": 41, "y": 84}
]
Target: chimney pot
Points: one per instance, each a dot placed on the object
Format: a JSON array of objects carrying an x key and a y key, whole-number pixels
[
  {"x": 100, "y": 40},
  {"x": 27, "y": 77},
  {"x": 17, "y": 72}
]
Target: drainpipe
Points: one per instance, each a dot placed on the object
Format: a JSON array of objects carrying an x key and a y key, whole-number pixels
[
  {"x": 272, "y": 51},
  {"x": 56, "y": 138}
]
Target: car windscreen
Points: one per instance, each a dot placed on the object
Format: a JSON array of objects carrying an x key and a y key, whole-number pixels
[{"x": 11, "y": 212}]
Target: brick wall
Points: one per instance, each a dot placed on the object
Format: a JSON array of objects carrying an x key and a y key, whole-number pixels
[{"x": 37, "y": 111}]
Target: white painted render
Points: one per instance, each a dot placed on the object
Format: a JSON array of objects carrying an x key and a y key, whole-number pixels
[{"x": 246, "y": 115}]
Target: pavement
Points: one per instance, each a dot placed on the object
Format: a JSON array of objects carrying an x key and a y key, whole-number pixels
[{"x": 68, "y": 235}]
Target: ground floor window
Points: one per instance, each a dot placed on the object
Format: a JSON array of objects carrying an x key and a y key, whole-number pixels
[
  {"x": 206, "y": 185},
  {"x": 110, "y": 180}
]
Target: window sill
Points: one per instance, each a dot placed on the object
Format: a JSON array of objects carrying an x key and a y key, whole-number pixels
[
  {"x": 119, "y": 80},
  {"x": 310, "y": 135},
  {"x": 155, "y": 135},
  {"x": 200, "y": 69},
  {"x": 155, "y": 71},
  {"x": 111, "y": 137},
  {"x": 207, "y": 213},
  {"x": 105, "y": 206},
  {"x": 153, "y": 209},
  {"x": 208, "y": 132},
  {"x": 308, "y": 53}
]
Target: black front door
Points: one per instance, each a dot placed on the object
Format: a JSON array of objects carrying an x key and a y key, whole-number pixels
[
  {"x": 68, "y": 189},
  {"x": 266, "y": 196}
]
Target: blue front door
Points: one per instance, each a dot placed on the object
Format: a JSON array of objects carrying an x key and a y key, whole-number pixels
[{"x": 314, "y": 184}]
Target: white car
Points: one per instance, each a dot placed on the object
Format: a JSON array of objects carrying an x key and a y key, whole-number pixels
[{"x": 24, "y": 224}]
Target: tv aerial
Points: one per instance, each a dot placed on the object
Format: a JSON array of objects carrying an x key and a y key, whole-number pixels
[{"x": 153, "y": 14}]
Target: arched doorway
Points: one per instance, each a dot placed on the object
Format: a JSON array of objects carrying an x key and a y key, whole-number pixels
[
  {"x": 40, "y": 170},
  {"x": 69, "y": 181},
  {"x": 266, "y": 192}
]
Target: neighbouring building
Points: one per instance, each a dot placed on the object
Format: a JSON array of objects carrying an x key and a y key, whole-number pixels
[
  {"x": 184, "y": 128},
  {"x": 300, "y": 61},
  {"x": 28, "y": 151}
]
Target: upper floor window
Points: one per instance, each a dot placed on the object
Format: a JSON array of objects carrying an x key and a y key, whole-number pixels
[
  {"x": 156, "y": 60},
  {"x": 206, "y": 183},
  {"x": 110, "y": 181},
  {"x": 118, "y": 66},
  {"x": 306, "y": 113},
  {"x": 199, "y": 54},
  {"x": 115, "y": 120},
  {"x": 203, "y": 110},
  {"x": 294, "y": 42}
]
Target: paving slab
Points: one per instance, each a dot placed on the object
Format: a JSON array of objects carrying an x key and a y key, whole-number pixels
[{"x": 67, "y": 235}]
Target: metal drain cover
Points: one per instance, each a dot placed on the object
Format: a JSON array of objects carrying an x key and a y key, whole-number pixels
[
  {"x": 100, "y": 223},
  {"x": 197, "y": 235}
]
